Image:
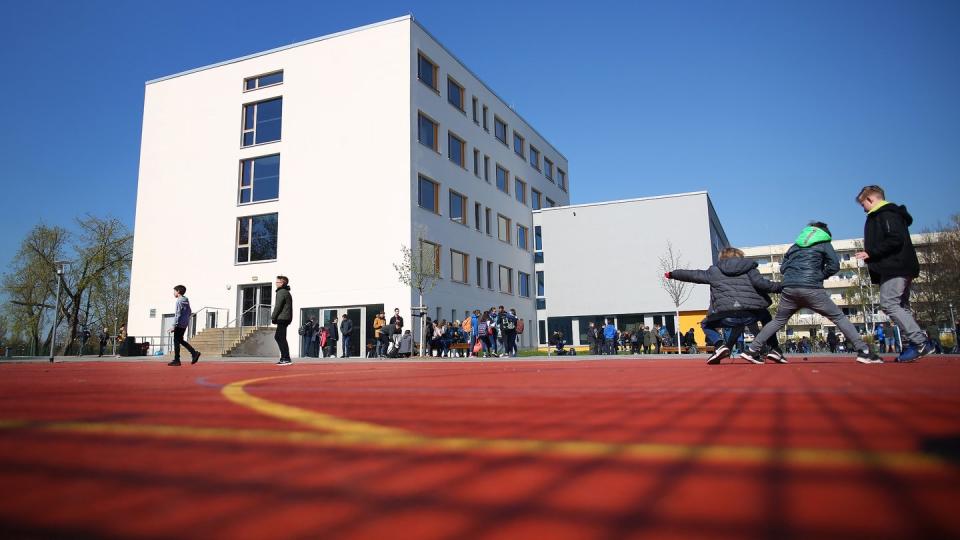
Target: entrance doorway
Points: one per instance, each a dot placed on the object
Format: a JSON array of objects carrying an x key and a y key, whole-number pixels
[
  {"x": 255, "y": 304},
  {"x": 361, "y": 336}
]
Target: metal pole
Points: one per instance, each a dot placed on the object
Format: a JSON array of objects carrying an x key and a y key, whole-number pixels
[
  {"x": 114, "y": 336},
  {"x": 56, "y": 314}
]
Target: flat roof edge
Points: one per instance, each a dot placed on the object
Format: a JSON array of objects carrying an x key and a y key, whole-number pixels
[
  {"x": 283, "y": 48},
  {"x": 620, "y": 201}
]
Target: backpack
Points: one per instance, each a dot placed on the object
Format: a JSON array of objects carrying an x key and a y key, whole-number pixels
[
  {"x": 467, "y": 324},
  {"x": 511, "y": 323},
  {"x": 520, "y": 326}
]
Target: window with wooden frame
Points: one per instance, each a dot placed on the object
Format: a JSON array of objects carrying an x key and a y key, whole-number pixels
[
  {"x": 459, "y": 266},
  {"x": 430, "y": 253},
  {"x": 536, "y": 199},
  {"x": 458, "y": 208},
  {"x": 456, "y": 149},
  {"x": 522, "y": 234},
  {"x": 503, "y": 179},
  {"x": 262, "y": 122},
  {"x": 500, "y": 130},
  {"x": 548, "y": 169},
  {"x": 455, "y": 95},
  {"x": 506, "y": 279},
  {"x": 428, "y": 194},
  {"x": 520, "y": 190},
  {"x": 518, "y": 145},
  {"x": 503, "y": 228},
  {"x": 427, "y": 132},
  {"x": 562, "y": 179},
  {"x": 262, "y": 81},
  {"x": 534, "y": 157},
  {"x": 427, "y": 72}
]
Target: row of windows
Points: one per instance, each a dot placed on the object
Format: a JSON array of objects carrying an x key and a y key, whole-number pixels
[
  {"x": 428, "y": 198},
  {"x": 427, "y": 73},
  {"x": 460, "y": 268},
  {"x": 427, "y": 135}
]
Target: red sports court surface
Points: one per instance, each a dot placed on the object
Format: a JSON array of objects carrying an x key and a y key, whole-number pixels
[{"x": 824, "y": 448}]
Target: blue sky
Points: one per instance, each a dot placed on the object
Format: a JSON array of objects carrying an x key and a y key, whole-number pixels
[{"x": 781, "y": 110}]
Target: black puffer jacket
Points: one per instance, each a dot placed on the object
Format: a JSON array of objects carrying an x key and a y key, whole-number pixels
[
  {"x": 735, "y": 285},
  {"x": 887, "y": 240},
  {"x": 809, "y": 261}
]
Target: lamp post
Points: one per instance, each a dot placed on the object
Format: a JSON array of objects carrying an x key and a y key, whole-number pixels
[{"x": 56, "y": 310}]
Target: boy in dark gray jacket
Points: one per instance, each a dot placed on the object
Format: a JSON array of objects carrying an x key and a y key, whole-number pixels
[
  {"x": 809, "y": 261},
  {"x": 739, "y": 297},
  {"x": 282, "y": 316}
]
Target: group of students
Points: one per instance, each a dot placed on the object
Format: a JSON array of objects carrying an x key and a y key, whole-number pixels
[
  {"x": 606, "y": 339},
  {"x": 740, "y": 296}
]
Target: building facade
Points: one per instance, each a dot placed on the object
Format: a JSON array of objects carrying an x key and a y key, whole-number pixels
[{"x": 319, "y": 161}]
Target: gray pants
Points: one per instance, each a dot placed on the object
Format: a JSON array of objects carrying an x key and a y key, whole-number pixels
[
  {"x": 792, "y": 300},
  {"x": 895, "y": 302}
]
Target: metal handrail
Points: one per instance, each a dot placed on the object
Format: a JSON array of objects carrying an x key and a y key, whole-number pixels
[
  {"x": 240, "y": 320},
  {"x": 208, "y": 309}
]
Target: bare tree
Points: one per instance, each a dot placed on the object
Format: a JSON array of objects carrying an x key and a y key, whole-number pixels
[
  {"x": 419, "y": 269},
  {"x": 678, "y": 291}
]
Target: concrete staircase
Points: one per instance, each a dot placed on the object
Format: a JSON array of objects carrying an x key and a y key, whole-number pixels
[{"x": 209, "y": 341}]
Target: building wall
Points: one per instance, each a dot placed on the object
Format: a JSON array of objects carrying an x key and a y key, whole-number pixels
[{"x": 344, "y": 178}]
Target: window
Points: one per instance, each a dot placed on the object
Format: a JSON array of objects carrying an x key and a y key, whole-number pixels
[
  {"x": 260, "y": 179},
  {"x": 262, "y": 81},
  {"x": 518, "y": 144},
  {"x": 261, "y": 122},
  {"x": 503, "y": 177},
  {"x": 455, "y": 95},
  {"x": 550, "y": 202},
  {"x": 522, "y": 237},
  {"x": 540, "y": 283},
  {"x": 458, "y": 208},
  {"x": 538, "y": 257},
  {"x": 428, "y": 194},
  {"x": 534, "y": 157},
  {"x": 500, "y": 129},
  {"x": 548, "y": 169},
  {"x": 487, "y": 215},
  {"x": 503, "y": 228},
  {"x": 486, "y": 168},
  {"x": 486, "y": 126},
  {"x": 506, "y": 279},
  {"x": 456, "y": 150},
  {"x": 520, "y": 190},
  {"x": 430, "y": 257},
  {"x": 490, "y": 275},
  {"x": 476, "y": 111},
  {"x": 458, "y": 266},
  {"x": 535, "y": 199},
  {"x": 427, "y": 72},
  {"x": 476, "y": 162},
  {"x": 562, "y": 179},
  {"x": 257, "y": 238},
  {"x": 476, "y": 215},
  {"x": 523, "y": 284},
  {"x": 541, "y": 304},
  {"x": 537, "y": 238},
  {"x": 479, "y": 272},
  {"x": 427, "y": 131}
]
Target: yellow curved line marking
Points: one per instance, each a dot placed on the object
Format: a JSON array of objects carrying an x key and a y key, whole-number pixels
[{"x": 342, "y": 432}]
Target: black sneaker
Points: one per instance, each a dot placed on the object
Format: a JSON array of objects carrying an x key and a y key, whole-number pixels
[
  {"x": 776, "y": 356},
  {"x": 752, "y": 356},
  {"x": 196, "y": 356},
  {"x": 925, "y": 349},
  {"x": 720, "y": 352},
  {"x": 867, "y": 357},
  {"x": 285, "y": 362},
  {"x": 173, "y": 363}
]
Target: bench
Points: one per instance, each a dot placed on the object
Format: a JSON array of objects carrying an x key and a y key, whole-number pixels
[{"x": 675, "y": 350}]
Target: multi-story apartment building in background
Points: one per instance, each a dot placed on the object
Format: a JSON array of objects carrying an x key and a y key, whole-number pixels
[{"x": 319, "y": 161}]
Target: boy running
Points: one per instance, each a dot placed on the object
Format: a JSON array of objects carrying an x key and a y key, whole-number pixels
[{"x": 808, "y": 262}]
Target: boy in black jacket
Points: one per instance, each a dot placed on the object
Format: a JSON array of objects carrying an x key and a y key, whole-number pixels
[
  {"x": 892, "y": 261},
  {"x": 738, "y": 298}
]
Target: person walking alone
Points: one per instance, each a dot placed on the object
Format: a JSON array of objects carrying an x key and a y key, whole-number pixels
[
  {"x": 104, "y": 338},
  {"x": 282, "y": 316},
  {"x": 181, "y": 318}
]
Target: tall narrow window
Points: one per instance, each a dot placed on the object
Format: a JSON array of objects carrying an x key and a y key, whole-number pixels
[
  {"x": 486, "y": 168},
  {"x": 262, "y": 81},
  {"x": 455, "y": 95},
  {"x": 518, "y": 144},
  {"x": 257, "y": 238},
  {"x": 562, "y": 179},
  {"x": 534, "y": 157},
  {"x": 458, "y": 208},
  {"x": 260, "y": 179},
  {"x": 548, "y": 169},
  {"x": 427, "y": 72},
  {"x": 537, "y": 238},
  {"x": 523, "y": 284},
  {"x": 458, "y": 266},
  {"x": 476, "y": 110},
  {"x": 522, "y": 237},
  {"x": 262, "y": 122},
  {"x": 486, "y": 126},
  {"x": 503, "y": 179},
  {"x": 500, "y": 129},
  {"x": 540, "y": 283},
  {"x": 520, "y": 190},
  {"x": 503, "y": 228},
  {"x": 430, "y": 257},
  {"x": 427, "y": 132},
  {"x": 428, "y": 194},
  {"x": 487, "y": 215},
  {"x": 479, "y": 272},
  {"x": 506, "y": 279},
  {"x": 477, "y": 217},
  {"x": 476, "y": 162},
  {"x": 536, "y": 199},
  {"x": 456, "y": 150},
  {"x": 490, "y": 275}
]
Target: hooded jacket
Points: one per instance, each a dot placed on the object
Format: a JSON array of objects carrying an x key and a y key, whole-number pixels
[
  {"x": 283, "y": 305},
  {"x": 810, "y": 260},
  {"x": 735, "y": 286},
  {"x": 887, "y": 240}
]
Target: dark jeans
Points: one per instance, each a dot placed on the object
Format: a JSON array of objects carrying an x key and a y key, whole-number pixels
[
  {"x": 736, "y": 326},
  {"x": 281, "y": 338},
  {"x": 510, "y": 337},
  {"x": 103, "y": 347},
  {"x": 346, "y": 344},
  {"x": 178, "y": 341}
]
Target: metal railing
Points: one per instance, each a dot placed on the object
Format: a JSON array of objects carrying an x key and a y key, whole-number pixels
[
  {"x": 239, "y": 323},
  {"x": 205, "y": 310}
]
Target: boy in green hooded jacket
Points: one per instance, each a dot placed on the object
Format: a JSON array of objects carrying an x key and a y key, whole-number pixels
[{"x": 808, "y": 262}]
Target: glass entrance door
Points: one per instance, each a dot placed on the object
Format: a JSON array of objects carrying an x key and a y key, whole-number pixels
[{"x": 255, "y": 304}]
